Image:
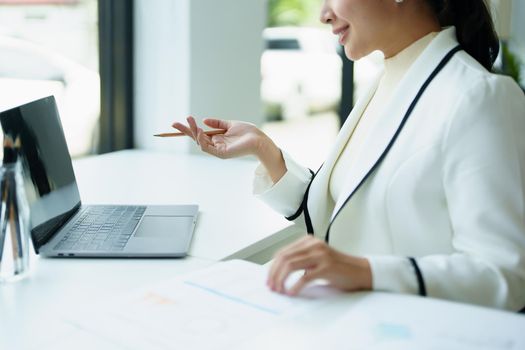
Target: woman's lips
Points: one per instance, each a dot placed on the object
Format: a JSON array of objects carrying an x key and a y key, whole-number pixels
[
  {"x": 342, "y": 37},
  {"x": 342, "y": 33}
]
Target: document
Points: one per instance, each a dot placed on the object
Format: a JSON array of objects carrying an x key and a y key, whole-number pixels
[
  {"x": 228, "y": 306},
  {"x": 215, "y": 308},
  {"x": 401, "y": 322}
]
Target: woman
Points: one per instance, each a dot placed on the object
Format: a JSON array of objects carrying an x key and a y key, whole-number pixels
[{"x": 423, "y": 192}]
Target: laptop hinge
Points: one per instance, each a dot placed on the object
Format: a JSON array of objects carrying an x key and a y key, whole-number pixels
[{"x": 52, "y": 226}]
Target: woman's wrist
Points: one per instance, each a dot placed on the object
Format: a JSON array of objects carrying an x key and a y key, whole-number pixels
[
  {"x": 365, "y": 274},
  {"x": 271, "y": 158},
  {"x": 358, "y": 272}
]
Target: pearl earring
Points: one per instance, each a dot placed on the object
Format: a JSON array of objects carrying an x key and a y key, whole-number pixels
[{"x": 399, "y": 1}]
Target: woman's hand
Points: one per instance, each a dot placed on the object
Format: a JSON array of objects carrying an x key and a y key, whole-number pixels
[
  {"x": 319, "y": 261},
  {"x": 240, "y": 139}
]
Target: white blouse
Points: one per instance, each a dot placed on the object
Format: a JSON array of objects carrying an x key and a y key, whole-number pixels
[{"x": 395, "y": 69}]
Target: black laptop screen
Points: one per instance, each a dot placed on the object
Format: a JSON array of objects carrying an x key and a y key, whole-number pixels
[{"x": 48, "y": 173}]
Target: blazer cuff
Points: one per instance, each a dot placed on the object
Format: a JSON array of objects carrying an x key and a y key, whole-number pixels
[
  {"x": 287, "y": 194},
  {"x": 393, "y": 274}
]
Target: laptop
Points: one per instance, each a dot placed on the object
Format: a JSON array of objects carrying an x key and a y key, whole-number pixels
[{"x": 60, "y": 225}]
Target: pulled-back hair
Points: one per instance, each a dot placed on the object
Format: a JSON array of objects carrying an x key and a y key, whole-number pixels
[{"x": 474, "y": 26}]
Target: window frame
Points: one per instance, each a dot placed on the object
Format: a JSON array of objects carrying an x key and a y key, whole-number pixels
[{"x": 115, "y": 18}]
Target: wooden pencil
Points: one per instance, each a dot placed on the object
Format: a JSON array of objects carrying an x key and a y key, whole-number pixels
[{"x": 176, "y": 134}]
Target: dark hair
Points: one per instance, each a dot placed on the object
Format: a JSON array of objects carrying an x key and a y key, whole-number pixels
[{"x": 474, "y": 27}]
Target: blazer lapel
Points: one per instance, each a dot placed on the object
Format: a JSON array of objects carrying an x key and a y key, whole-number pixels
[
  {"x": 319, "y": 195},
  {"x": 395, "y": 111}
]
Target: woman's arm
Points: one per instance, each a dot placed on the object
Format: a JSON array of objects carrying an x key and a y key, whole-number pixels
[
  {"x": 240, "y": 139},
  {"x": 279, "y": 181},
  {"x": 483, "y": 168},
  {"x": 271, "y": 158}
]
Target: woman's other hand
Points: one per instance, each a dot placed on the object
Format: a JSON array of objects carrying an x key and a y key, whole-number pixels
[
  {"x": 239, "y": 139},
  {"x": 319, "y": 261}
]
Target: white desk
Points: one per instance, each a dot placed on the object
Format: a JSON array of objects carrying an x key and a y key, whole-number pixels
[{"x": 231, "y": 224}]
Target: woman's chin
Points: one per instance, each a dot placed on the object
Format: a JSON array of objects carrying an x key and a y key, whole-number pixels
[
  {"x": 354, "y": 54},
  {"x": 351, "y": 54}
]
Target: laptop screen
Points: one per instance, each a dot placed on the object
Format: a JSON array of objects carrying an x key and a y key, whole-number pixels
[{"x": 49, "y": 179}]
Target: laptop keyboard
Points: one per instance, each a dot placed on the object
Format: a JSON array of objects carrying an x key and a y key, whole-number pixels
[{"x": 102, "y": 228}]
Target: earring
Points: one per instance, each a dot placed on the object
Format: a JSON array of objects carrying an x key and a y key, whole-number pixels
[{"x": 399, "y": 1}]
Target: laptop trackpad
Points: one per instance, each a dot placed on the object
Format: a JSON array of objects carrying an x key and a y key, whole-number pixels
[{"x": 163, "y": 226}]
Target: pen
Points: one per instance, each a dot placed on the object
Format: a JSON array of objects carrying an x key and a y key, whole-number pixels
[{"x": 176, "y": 134}]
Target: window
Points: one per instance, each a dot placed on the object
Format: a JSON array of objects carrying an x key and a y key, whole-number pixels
[
  {"x": 301, "y": 81},
  {"x": 50, "y": 47}
]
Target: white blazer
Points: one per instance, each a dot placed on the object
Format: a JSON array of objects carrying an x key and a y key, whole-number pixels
[{"x": 450, "y": 192}]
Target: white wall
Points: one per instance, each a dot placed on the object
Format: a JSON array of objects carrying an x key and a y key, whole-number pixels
[{"x": 199, "y": 57}]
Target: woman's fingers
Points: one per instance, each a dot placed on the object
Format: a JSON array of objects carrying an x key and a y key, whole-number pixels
[
  {"x": 308, "y": 277},
  {"x": 282, "y": 255},
  {"x": 305, "y": 262},
  {"x": 290, "y": 254},
  {"x": 183, "y": 128},
  {"x": 193, "y": 127},
  {"x": 239, "y": 139},
  {"x": 217, "y": 123},
  {"x": 205, "y": 142},
  {"x": 279, "y": 258}
]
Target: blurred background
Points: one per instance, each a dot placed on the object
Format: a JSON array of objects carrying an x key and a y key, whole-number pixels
[
  {"x": 51, "y": 48},
  {"x": 122, "y": 70}
]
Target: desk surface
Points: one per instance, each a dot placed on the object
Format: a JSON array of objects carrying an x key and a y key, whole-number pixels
[
  {"x": 231, "y": 223},
  {"x": 32, "y": 310}
]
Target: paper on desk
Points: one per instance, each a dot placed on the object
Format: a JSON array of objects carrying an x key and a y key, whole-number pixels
[
  {"x": 214, "y": 308},
  {"x": 229, "y": 306},
  {"x": 387, "y": 321},
  {"x": 399, "y": 322}
]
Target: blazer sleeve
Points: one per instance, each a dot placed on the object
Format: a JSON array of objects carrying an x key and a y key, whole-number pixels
[
  {"x": 483, "y": 172},
  {"x": 287, "y": 194}
]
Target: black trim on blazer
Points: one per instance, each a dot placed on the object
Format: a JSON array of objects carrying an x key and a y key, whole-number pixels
[
  {"x": 420, "y": 281},
  {"x": 439, "y": 67},
  {"x": 304, "y": 206},
  {"x": 307, "y": 220},
  {"x": 300, "y": 210}
]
